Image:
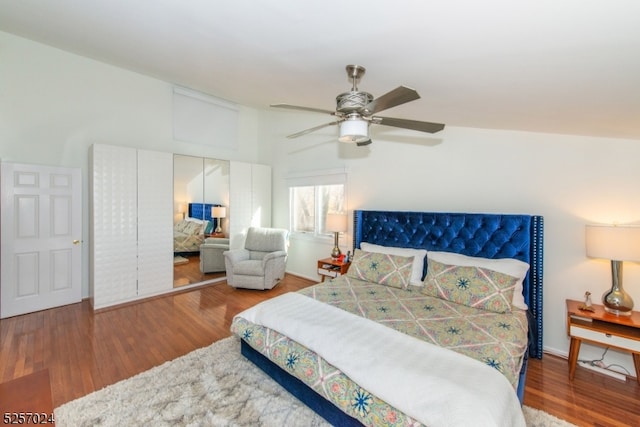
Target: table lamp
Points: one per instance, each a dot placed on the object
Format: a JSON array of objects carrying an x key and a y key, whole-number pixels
[
  {"x": 218, "y": 212},
  {"x": 182, "y": 209},
  {"x": 336, "y": 223},
  {"x": 615, "y": 243}
]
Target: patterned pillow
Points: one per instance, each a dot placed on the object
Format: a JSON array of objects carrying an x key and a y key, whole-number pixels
[
  {"x": 385, "y": 269},
  {"x": 471, "y": 286},
  {"x": 193, "y": 228},
  {"x": 180, "y": 226}
]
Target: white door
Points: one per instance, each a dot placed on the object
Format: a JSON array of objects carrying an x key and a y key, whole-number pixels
[
  {"x": 240, "y": 207},
  {"x": 249, "y": 199},
  {"x": 41, "y": 236},
  {"x": 155, "y": 222},
  {"x": 114, "y": 209}
]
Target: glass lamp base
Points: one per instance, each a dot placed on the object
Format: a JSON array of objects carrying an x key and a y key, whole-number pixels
[
  {"x": 617, "y": 312},
  {"x": 617, "y": 302},
  {"x": 335, "y": 253}
]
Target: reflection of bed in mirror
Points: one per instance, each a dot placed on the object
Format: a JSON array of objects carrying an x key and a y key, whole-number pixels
[{"x": 189, "y": 233}]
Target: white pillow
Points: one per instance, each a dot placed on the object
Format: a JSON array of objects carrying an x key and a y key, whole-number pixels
[
  {"x": 418, "y": 260},
  {"x": 196, "y": 220},
  {"x": 509, "y": 266}
]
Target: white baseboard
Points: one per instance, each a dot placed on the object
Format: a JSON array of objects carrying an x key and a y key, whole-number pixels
[
  {"x": 556, "y": 352},
  {"x": 304, "y": 276},
  {"x": 588, "y": 365},
  {"x": 605, "y": 371}
]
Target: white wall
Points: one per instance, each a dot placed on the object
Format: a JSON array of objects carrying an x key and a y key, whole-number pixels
[
  {"x": 569, "y": 180},
  {"x": 54, "y": 105}
]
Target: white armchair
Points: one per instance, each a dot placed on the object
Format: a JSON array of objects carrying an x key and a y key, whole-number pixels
[
  {"x": 262, "y": 261},
  {"x": 212, "y": 255}
]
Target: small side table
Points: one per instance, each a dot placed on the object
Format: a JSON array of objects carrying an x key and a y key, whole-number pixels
[
  {"x": 602, "y": 328},
  {"x": 332, "y": 268},
  {"x": 216, "y": 235}
]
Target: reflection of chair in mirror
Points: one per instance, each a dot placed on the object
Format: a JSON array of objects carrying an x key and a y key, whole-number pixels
[
  {"x": 262, "y": 261},
  {"x": 212, "y": 255}
]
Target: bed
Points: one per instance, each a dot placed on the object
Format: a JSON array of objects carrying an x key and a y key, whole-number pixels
[
  {"x": 189, "y": 233},
  {"x": 300, "y": 339}
]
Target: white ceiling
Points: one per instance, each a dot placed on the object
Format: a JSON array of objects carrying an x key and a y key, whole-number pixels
[{"x": 558, "y": 66}]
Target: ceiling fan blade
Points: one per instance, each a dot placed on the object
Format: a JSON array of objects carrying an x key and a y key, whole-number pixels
[
  {"x": 297, "y": 107},
  {"x": 398, "y": 96},
  {"x": 409, "y": 124},
  {"x": 363, "y": 143},
  {"x": 306, "y": 131}
]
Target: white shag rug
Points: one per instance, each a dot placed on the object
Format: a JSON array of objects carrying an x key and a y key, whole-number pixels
[{"x": 211, "y": 386}]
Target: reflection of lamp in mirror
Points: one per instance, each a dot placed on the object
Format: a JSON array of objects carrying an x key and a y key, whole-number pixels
[
  {"x": 182, "y": 209},
  {"x": 615, "y": 243},
  {"x": 218, "y": 212},
  {"x": 336, "y": 223}
]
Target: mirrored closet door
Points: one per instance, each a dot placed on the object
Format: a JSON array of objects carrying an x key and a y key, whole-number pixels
[{"x": 201, "y": 219}]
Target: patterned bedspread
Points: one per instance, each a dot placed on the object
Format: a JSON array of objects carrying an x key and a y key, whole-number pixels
[
  {"x": 498, "y": 340},
  {"x": 187, "y": 242}
]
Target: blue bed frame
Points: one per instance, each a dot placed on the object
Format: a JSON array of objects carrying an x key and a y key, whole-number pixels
[
  {"x": 473, "y": 234},
  {"x": 203, "y": 211}
]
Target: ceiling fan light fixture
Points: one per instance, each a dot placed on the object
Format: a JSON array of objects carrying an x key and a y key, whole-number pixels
[{"x": 354, "y": 130}]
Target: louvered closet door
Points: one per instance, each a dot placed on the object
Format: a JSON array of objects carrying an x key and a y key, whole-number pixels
[
  {"x": 240, "y": 211},
  {"x": 114, "y": 211},
  {"x": 261, "y": 194},
  {"x": 155, "y": 222},
  {"x": 249, "y": 199}
]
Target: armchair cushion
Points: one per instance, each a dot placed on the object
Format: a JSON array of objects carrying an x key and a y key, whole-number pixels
[
  {"x": 266, "y": 239},
  {"x": 251, "y": 267}
]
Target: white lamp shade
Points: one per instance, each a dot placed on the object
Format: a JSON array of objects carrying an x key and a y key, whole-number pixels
[
  {"x": 354, "y": 130},
  {"x": 617, "y": 243},
  {"x": 218, "y": 212},
  {"x": 337, "y": 222}
]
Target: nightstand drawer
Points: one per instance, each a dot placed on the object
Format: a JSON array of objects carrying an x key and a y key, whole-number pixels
[
  {"x": 604, "y": 338},
  {"x": 332, "y": 268},
  {"x": 328, "y": 272}
]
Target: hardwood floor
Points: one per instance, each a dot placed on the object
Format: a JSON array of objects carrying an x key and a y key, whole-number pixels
[
  {"x": 189, "y": 272},
  {"x": 85, "y": 351},
  {"x": 591, "y": 399}
]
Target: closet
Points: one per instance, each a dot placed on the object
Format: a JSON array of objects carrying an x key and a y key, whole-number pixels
[
  {"x": 130, "y": 224},
  {"x": 132, "y": 212}
]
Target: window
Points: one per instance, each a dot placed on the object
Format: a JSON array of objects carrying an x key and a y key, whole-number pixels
[
  {"x": 311, "y": 197},
  {"x": 310, "y": 205}
]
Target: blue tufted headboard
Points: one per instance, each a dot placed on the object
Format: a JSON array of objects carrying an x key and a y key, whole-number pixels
[
  {"x": 203, "y": 211},
  {"x": 473, "y": 234}
]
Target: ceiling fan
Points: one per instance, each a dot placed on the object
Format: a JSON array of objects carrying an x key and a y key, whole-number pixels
[{"x": 355, "y": 111}]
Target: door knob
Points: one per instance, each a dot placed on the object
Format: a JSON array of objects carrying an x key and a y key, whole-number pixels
[{"x": 76, "y": 242}]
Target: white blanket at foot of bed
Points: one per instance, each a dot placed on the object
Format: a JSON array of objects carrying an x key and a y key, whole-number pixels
[{"x": 435, "y": 386}]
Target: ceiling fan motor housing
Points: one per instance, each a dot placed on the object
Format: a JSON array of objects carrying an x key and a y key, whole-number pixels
[{"x": 353, "y": 101}]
